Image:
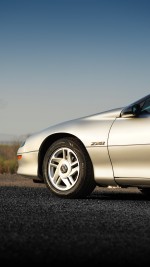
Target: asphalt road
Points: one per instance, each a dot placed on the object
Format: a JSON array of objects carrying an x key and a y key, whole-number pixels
[{"x": 111, "y": 226}]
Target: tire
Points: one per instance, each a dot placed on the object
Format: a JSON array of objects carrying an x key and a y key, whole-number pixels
[
  {"x": 68, "y": 170},
  {"x": 145, "y": 191}
]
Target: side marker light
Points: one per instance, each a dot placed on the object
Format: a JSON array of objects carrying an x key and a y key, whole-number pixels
[{"x": 19, "y": 157}]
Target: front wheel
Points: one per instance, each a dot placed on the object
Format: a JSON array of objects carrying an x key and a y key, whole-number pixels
[{"x": 68, "y": 170}]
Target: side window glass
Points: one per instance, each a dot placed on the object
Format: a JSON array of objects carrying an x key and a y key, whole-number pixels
[{"x": 146, "y": 107}]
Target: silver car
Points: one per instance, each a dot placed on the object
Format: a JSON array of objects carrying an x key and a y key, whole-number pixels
[{"x": 111, "y": 148}]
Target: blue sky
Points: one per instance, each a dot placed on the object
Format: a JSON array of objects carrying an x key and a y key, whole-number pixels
[{"x": 63, "y": 59}]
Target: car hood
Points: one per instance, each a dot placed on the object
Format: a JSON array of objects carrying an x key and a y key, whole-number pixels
[
  {"x": 109, "y": 114},
  {"x": 78, "y": 127},
  {"x": 113, "y": 113}
]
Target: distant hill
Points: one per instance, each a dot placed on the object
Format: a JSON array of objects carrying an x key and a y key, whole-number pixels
[{"x": 9, "y": 138}]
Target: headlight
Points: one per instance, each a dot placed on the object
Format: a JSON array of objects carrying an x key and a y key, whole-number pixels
[{"x": 23, "y": 143}]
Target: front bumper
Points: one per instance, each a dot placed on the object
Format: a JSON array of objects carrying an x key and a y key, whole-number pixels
[{"x": 28, "y": 164}]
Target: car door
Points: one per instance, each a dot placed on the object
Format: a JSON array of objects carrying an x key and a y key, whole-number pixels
[{"x": 129, "y": 144}]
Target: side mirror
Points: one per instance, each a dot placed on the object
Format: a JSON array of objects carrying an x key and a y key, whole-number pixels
[{"x": 131, "y": 111}]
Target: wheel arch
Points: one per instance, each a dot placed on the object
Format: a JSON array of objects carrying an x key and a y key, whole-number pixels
[{"x": 48, "y": 142}]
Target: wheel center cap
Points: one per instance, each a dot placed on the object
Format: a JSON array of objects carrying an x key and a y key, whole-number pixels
[{"x": 64, "y": 168}]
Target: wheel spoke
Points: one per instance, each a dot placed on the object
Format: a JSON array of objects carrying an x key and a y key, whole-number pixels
[
  {"x": 74, "y": 170},
  {"x": 53, "y": 165},
  {"x": 56, "y": 159},
  {"x": 58, "y": 181},
  {"x": 66, "y": 182},
  {"x": 56, "y": 175},
  {"x": 69, "y": 156},
  {"x": 71, "y": 181},
  {"x": 64, "y": 153},
  {"x": 74, "y": 163},
  {"x": 55, "y": 162}
]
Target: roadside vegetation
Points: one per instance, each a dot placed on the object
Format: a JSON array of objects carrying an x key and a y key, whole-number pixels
[{"x": 8, "y": 158}]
